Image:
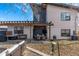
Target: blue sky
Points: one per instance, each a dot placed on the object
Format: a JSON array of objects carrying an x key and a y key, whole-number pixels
[{"x": 15, "y": 12}]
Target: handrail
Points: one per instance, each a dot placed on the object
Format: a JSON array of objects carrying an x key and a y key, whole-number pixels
[
  {"x": 4, "y": 53},
  {"x": 15, "y": 46},
  {"x": 8, "y": 51}
]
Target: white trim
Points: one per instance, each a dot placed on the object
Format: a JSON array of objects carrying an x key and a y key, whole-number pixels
[
  {"x": 4, "y": 53},
  {"x": 3, "y": 26}
]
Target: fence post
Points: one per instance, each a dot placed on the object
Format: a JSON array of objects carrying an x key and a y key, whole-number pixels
[
  {"x": 53, "y": 47},
  {"x": 21, "y": 50},
  {"x": 22, "y": 47}
]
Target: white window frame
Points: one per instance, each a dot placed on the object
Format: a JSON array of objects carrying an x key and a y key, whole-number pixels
[
  {"x": 65, "y": 32},
  {"x": 65, "y": 16}
]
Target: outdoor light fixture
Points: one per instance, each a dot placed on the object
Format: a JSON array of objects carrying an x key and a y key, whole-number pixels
[
  {"x": 50, "y": 24},
  {"x": 52, "y": 45}
]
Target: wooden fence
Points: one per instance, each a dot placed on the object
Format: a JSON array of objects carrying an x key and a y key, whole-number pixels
[{"x": 16, "y": 50}]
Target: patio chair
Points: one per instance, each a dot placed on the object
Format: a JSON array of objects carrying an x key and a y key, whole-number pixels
[
  {"x": 43, "y": 37},
  {"x": 23, "y": 36},
  {"x": 38, "y": 37}
]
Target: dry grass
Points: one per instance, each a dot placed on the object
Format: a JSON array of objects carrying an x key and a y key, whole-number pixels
[
  {"x": 9, "y": 43},
  {"x": 41, "y": 47},
  {"x": 69, "y": 50},
  {"x": 66, "y": 48}
]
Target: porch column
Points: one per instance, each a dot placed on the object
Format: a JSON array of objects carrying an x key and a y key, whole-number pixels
[
  {"x": 48, "y": 32},
  {"x": 31, "y": 32}
]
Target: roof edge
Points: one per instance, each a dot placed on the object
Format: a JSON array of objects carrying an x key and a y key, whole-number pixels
[{"x": 63, "y": 5}]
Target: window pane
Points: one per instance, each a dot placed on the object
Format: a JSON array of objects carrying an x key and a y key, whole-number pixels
[
  {"x": 65, "y": 16},
  {"x": 18, "y": 30},
  {"x": 65, "y": 32}
]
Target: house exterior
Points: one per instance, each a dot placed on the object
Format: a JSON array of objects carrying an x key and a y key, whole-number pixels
[
  {"x": 17, "y": 30},
  {"x": 14, "y": 28},
  {"x": 63, "y": 16}
]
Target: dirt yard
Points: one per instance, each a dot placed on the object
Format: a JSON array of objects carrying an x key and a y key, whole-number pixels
[
  {"x": 66, "y": 48},
  {"x": 9, "y": 43},
  {"x": 2, "y": 49}
]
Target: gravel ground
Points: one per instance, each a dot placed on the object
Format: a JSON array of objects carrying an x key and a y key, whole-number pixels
[{"x": 66, "y": 48}]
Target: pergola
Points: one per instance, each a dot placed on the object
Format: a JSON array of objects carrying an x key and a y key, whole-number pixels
[{"x": 21, "y": 23}]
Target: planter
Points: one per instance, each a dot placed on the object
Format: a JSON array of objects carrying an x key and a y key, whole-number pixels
[{"x": 74, "y": 37}]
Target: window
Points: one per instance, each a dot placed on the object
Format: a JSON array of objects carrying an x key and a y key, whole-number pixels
[
  {"x": 65, "y": 16},
  {"x": 65, "y": 32},
  {"x": 18, "y": 30},
  {"x": 3, "y": 29}
]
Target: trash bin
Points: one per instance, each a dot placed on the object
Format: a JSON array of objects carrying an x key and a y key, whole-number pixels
[
  {"x": 74, "y": 37},
  {"x": 54, "y": 37},
  {"x": 3, "y": 39},
  {"x": 3, "y": 36}
]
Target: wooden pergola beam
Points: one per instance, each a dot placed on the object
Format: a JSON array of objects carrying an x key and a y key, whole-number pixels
[
  {"x": 16, "y": 24},
  {"x": 22, "y": 24}
]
